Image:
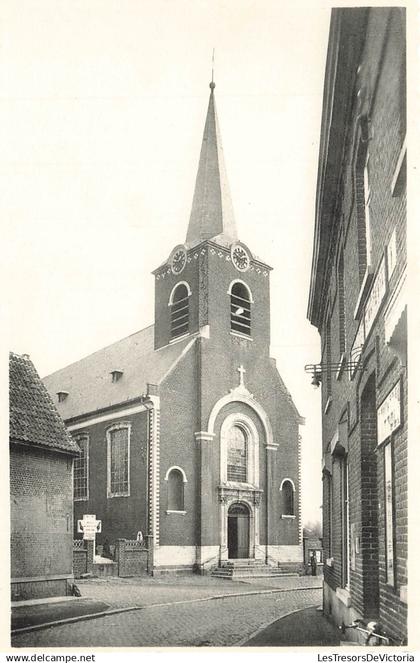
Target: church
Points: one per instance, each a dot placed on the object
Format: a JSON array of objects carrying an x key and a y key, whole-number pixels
[{"x": 188, "y": 433}]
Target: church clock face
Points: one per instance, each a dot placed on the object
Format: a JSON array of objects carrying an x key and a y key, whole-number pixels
[
  {"x": 240, "y": 257},
  {"x": 179, "y": 260}
]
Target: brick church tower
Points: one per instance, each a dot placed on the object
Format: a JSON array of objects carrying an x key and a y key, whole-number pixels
[{"x": 194, "y": 433}]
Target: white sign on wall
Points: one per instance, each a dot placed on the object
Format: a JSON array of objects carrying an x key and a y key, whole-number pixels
[
  {"x": 89, "y": 526},
  {"x": 389, "y": 413},
  {"x": 375, "y": 298}
]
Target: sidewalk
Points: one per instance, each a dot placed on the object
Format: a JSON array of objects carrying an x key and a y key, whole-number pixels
[
  {"x": 44, "y": 611},
  {"x": 304, "y": 628}
]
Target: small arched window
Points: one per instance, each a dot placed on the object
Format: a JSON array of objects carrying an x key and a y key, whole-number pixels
[
  {"x": 175, "y": 490},
  {"x": 179, "y": 311},
  {"x": 287, "y": 498},
  {"x": 240, "y": 309},
  {"x": 237, "y": 454}
]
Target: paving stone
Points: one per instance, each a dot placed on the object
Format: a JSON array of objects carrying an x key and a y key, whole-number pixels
[{"x": 218, "y": 622}]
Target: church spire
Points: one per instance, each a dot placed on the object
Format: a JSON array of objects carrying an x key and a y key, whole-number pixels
[{"x": 212, "y": 211}]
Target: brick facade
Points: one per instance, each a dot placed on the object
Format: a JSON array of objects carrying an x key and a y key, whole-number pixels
[
  {"x": 357, "y": 288},
  {"x": 41, "y": 502},
  {"x": 195, "y": 388}
]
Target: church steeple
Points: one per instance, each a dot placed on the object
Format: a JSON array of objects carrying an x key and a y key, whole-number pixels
[{"x": 212, "y": 212}]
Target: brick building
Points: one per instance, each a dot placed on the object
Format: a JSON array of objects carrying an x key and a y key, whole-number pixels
[
  {"x": 41, "y": 488},
  {"x": 187, "y": 429},
  {"x": 357, "y": 302}
]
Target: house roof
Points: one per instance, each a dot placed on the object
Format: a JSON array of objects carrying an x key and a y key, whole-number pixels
[
  {"x": 89, "y": 383},
  {"x": 33, "y": 416},
  {"x": 212, "y": 211}
]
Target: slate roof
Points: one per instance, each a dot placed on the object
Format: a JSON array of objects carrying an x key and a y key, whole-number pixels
[
  {"x": 33, "y": 417},
  {"x": 212, "y": 211},
  {"x": 88, "y": 381}
]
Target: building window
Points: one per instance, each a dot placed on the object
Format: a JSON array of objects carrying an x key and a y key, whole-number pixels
[
  {"x": 237, "y": 453},
  {"x": 179, "y": 302},
  {"x": 330, "y": 516},
  {"x": 240, "y": 308},
  {"x": 341, "y": 306},
  {"x": 118, "y": 439},
  {"x": 81, "y": 469},
  {"x": 345, "y": 522},
  {"x": 175, "y": 481},
  {"x": 287, "y": 498},
  {"x": 389, "y": 516},
  {"x": 363, "y": 196}
]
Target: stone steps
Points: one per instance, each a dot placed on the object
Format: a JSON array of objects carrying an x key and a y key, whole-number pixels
[{"x": 249, "y": 568}]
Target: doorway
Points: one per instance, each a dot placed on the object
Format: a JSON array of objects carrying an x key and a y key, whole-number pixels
[{"x": 238, "y": 531}]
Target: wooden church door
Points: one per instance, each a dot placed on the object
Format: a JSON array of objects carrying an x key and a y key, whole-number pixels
[{"x": 238, "y": 531}]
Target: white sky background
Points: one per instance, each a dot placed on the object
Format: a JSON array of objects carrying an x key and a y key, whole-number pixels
[{"x": 106, "y": 104}]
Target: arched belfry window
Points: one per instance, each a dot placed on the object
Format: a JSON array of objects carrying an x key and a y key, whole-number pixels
[
  {"x": 237, "y": 454},
  {"x": 287, "y": 490},
  {"x": 176, "y": 480},
  {"x": 179, "y": 303},
  {"x": 240, "y": 308}
]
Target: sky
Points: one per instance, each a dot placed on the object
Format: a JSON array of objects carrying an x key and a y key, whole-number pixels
[{"x": 105, "y": 106}]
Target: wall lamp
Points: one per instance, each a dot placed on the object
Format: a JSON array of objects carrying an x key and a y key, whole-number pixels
[{"x": 317, "y": 370}]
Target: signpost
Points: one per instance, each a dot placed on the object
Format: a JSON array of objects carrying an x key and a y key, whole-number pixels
[{"x": 89, "y": 527}]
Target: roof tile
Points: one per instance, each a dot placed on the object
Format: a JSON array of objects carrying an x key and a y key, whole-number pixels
[{"x": 34, "y": 418}]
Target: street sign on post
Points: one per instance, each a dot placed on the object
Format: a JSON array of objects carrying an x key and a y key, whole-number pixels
[{"x": 89, "y": 527}]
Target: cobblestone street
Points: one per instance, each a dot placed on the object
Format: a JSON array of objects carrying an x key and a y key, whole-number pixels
[
  {"x": 219, "y": 622},
  {"x": 129, "y": 592}
]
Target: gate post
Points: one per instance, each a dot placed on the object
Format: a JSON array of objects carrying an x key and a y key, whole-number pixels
[{"x": 149, "y": 545}]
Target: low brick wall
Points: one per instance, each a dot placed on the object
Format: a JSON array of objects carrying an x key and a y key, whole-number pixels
[
  {"x": 133, "y": 558},
  {"x": 82, "y": 557},
  {"x": 38, "y": 588}
]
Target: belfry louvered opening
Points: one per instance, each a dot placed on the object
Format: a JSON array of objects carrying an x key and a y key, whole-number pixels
[
  {"x": 180, "y": 311},
  {"x": 240, "y": 309}
]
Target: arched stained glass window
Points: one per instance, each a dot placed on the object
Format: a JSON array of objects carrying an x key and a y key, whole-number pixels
[
  {"x": 175, "y": 491},
  {"x": 237, "y": 453}
]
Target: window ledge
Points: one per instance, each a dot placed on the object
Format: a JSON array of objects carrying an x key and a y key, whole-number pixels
[
  {"x": 367, "y": 279},
  {"x": 112, "y": 495},
  {"x": 399, "y": 177},
  {"x": 340, "y": 368},
  {"x": 328, "y": 404},
  {"x": 343, "y": 595},
  {"x": 182, "y": 513},
  {"x": 178, "y": 338},
  {"x": 288, "y": 517},
  {"x": 247, "y": 338},
  {"x": 242, "y": 485},
  {"x": 80, "y": 499}
]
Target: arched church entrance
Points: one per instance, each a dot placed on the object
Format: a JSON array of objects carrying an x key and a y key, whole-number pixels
[{"x": 238, "y": 531}]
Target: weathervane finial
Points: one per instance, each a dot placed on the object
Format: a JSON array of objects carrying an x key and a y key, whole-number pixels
[{"x": 212, "y": 84}]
